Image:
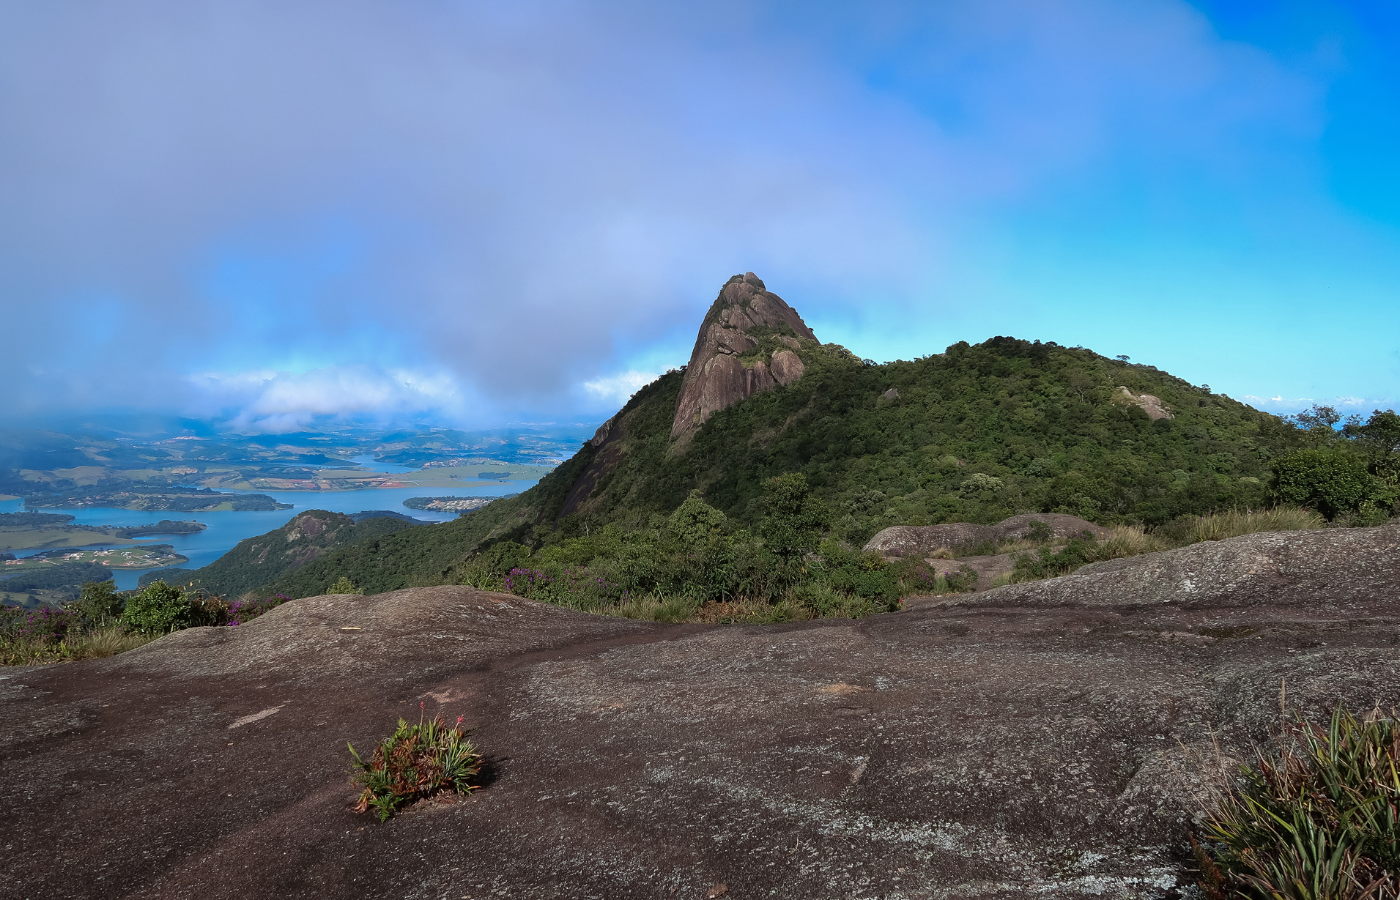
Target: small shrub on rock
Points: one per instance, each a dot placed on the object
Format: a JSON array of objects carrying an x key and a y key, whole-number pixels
[
  {"x": 1320, "y": 820},
  {"x": 343, "y": 585},
  {"x": 415, "y": 762},
  {"x": 245, "y": 610},
  {"x": 158, "y": 608}
]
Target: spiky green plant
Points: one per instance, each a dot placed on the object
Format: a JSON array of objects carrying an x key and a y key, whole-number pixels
[
  {"x": 1318, "y": 821},
  {"x": 416, "y": 761}
]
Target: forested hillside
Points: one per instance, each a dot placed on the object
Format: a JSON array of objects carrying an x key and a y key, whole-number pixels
[
  {"x": 976, "y": 434},
  {"x": 258, "y": 560}
]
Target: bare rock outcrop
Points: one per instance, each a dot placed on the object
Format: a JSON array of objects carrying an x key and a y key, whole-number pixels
[
  {"x": 1152, "y": 405},
  {"x": 1328, "y": 568},
  {"x": 920, "y": 540},
  {"x": 1046, "y": 740},
  {"x": 736, "y": 353}
]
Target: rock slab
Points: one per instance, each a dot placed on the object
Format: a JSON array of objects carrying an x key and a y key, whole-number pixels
[{"x": 1013, "y": 744}]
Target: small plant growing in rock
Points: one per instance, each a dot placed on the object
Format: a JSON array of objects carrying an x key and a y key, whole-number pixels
[
  {"x": 1318, "y": 821},
  {"x": 344, "y": 585},
  {"x": 416, "y": 761}
]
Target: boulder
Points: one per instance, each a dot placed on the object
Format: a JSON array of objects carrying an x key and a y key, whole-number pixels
[
  {"x": 1060, "y": 525},
  {"x": 921, "y": 540},
  {"x": 1328, "y": 569},
  {"x": 787, "y": 367}
]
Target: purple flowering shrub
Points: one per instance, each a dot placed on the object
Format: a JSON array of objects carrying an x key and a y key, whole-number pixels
[
  {"x": 45, "y": 625},
  {"x": 36, "y": 635},
  {"x": 214, "y": 610}
]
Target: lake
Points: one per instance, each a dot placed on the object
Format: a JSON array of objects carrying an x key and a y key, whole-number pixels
[{"x": 228, "y": 528}]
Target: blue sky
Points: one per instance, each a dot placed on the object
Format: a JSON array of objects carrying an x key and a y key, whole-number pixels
[{"x": 268, "y": 214}]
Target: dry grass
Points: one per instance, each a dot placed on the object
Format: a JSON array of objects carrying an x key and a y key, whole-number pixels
[
  {"x": 96, "y": 644},
  {"x": 1130, "y": 540},
  {"x": 1236, "y": 523},
  {"x": 728, "y": 612},
  {"x": 108, "y": 642},
  {"x": 653, "y": 609},
  {"x": 1133, "y": 540}
]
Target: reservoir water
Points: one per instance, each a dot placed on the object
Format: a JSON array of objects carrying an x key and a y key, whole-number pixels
[{"x": 228, "y": 528}]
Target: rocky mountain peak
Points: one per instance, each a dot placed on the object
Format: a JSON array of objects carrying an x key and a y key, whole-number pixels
[{"x": 745, "y": 346}]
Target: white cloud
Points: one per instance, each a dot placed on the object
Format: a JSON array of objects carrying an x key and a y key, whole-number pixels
[
  {"x": 618, "y": 389},
  {"x": 263, "y": 400},
  {"x": 1281, "y": 405}
]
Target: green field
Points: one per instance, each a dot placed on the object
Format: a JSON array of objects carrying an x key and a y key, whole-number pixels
[
  {"x": 148, "y": 556},
  {"x": 34, "y": 599},
  {"x": 57, "y": 538}
]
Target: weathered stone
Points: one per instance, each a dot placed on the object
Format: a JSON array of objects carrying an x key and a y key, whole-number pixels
[
  {"x": 1060, "y": 525},
  {"x": 998, "y": 746},
  {"x": 715, "y": 378},
  {"x": 787, "y": 367},
  {"x": 1327, "y": 568},
  {"x": 1149, "y": 404},
  {"x": 601, "y": 435},
  {"x": 920, "y": 540}
]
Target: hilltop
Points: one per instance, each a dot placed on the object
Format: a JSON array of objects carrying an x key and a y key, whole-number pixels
[
  {"x": 977, "y": 433},
  {"x": 258, "y": 560}
]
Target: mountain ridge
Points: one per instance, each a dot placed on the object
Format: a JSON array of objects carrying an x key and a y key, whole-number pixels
[{"x": 977, "y": 433}]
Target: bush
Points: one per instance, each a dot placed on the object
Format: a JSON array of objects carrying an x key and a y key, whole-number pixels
[
  {"x": 343, "y": 585},
  {"x": 793, "y": 519},
  {"x": 1333, "y": 482},
  {"x": 99, "y": 604},
  {"x": 245, "y": 610},
  {"x": 416, "y": 761},
  {"x": 158, "y": 608},
  {"x": 574, "y": 587},
  {"x": 45, "y": 625},
  {"x": 1318, "y": 821}
]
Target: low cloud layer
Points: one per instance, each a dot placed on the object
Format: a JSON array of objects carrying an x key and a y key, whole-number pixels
[
  {"x": 269, "y": 401},
  {"x": 484, "y": 209}
]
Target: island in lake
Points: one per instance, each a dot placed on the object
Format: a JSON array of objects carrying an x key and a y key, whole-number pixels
[
  {"x": 450, "y": 504},
  {"x": 189, "y": 500},
  {"x": 52, "y": 531}
]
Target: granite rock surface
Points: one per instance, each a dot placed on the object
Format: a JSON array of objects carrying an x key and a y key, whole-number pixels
[
  {"x": 1052, "y": 739},
  {"x": 729, "y": 362}
]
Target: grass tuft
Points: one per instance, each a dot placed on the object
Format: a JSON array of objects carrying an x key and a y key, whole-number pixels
[
  {"x": 415, "y": 762},
  {"x": 1131, "y": 540},
  {"x": 1236, "y": 523},
  {"x": 17, "y": 650},
  {"x": 1318, "y": 820}
]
